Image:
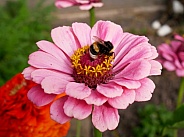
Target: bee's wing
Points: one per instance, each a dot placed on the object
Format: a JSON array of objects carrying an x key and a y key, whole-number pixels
[{"x": 97, "y": 39}]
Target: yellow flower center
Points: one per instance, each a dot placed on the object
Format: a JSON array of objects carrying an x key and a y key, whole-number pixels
[{"x": 91, "y": 71}]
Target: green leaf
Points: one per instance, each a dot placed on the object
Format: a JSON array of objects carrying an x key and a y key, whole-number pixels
[
  {"x": 178, "y": 125},
  {"x": 21, "y": 27},
  {"x": 178, "y": 114},
  {"x": 153, "y": 120},
  {"x": 177, "y": 119}
]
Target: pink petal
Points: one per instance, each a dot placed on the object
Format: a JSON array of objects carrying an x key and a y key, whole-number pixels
[
  {"x": 169, "y": 66},
  {"x": 166, "y": 49},
  {"x": 64, "y": 4},
  {"x": 108, "y": 31},
  {"x": 144, "y": 93},
  {"x": 130, "y": 84},
  {"x": 96, "y": 98},
  {"x": 82, "y": 1},
  {"x": 175, "y": 45},
  {"x": 181, "y": 56},
  {"x": 55, "y": 85},
  {"x": 40, "y": 59},
  {"x": 64, "y": 38},
  {"x": 178, "y": 64},
  {"x": 86, "y": 7},
  {"x": 97, "y": 4},
  {"x": 123, "y": 101},
  {"x": 180, "y": 72},
  {"x": 77, "y": 90},
  {"x": 39, "y": 74},
  {"x": 57, "y": 111},
  {"x": 27, "y": 72},
  {"x": 167, "y": 56},
  {"x": 128, "y": 42},
  {"x": 110, "y": 90},
  {"x": 178, "y": 37},
  {"x": 136, "y": 70},
  {"x": 156, "y": 67},
  {"x": 89, "y": 6},
  {"x": 141, "y": 51},
  {"x": 154, "y": 53},
  {"x": 105, "y": 117},
  {"x": 53, "y": 50},
  {"x": 82, "y": 32},
  {"x": 77, "y": 108},
  {"x": 38, "y": 97}
]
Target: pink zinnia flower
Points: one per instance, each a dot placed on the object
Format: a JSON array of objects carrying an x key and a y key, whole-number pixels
[
  {"x": 98, "y": 86},
  {"x": 171, "y": 55},
  {"x": 83, "y": 4}
]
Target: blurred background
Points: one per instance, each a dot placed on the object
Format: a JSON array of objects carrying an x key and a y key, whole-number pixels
[{"x": 24, "y": 22}]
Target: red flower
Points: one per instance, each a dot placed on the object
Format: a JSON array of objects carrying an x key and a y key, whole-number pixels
[{"x": 20, "y": 118}]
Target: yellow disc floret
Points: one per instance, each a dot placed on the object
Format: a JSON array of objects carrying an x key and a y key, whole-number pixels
[{"x": 91, "y": 71}]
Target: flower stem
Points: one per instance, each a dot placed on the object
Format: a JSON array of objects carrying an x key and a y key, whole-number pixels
[
  {"x": 175, "y": 133},
  {"x": 92, "y": 16},
  {"x": 78, "y": 128},
  {"x": 97, "y": 133},
  {"x": 181, "y": 93},
  {"x": 180, "y": 99}
]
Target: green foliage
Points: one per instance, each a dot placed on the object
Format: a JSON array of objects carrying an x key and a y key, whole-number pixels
[
  {"x": 153, "y": 120},
  {"x": 21, "y": 27},
  {"x": 177, "y": 119}
]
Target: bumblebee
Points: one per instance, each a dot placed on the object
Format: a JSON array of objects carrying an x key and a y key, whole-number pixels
[{"x": 100, "y": 47}]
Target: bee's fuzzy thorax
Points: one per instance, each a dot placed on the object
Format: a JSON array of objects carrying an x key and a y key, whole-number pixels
[{"x": 100, "y": 47}]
